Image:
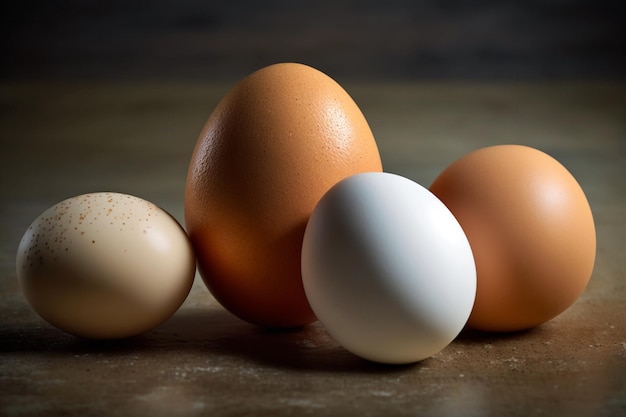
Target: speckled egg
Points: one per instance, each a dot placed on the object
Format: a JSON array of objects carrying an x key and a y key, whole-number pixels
[
  {"x": 105, "y": 265},
  {"x": 268, "y": 152}
]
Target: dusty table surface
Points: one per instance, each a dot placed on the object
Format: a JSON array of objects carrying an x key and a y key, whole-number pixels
[{"x": 61, "y": 140}]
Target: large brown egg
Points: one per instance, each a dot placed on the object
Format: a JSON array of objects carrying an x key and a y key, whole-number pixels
[
  {"x": 269, "y": 151},
  {"x": 531, "y": 231}
]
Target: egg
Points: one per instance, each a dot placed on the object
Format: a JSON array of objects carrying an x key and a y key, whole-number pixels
[
  {"x": 387, "y": 268},
  {"x": 105, "y": 265},
  {"x": 268, "y": 152},
  {"x": 531, "y": 230}
]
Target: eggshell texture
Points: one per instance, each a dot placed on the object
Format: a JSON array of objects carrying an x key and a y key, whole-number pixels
[
  {"x": 387, "y": 268},
  {"x": 268, "y": 152},
  {"x": 105, "y": 265},
  {"x": 531, "y": 230}
]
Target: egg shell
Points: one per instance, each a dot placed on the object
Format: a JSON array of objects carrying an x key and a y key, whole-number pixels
[
  {"x": 268, "y": 152},
  {"x": 531, "y": 230},
  {"x": 105, "y": 265},
  {"x": 387, "y": 268}
]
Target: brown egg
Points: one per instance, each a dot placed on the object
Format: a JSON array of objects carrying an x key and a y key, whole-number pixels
[
  {"x": 531, "y": 231},
  {"x": 269, "y": 151}
]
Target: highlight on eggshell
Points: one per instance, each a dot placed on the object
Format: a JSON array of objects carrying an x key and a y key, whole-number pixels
[
  {"x": 105, "y": 265},
  {"x": 387, "y": 268},
  {"x": 274, "y": 144},
  {"x": 531, "y": 230}
]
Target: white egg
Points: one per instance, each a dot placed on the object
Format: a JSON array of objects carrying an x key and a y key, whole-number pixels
[
  {"x": 387, "y": 268},
  {"x": 105, "y": 265}
]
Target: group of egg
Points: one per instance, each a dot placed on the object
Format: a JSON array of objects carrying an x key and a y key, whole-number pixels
[{"x": 291, "y": 219}]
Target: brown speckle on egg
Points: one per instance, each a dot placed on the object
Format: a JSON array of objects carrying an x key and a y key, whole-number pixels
[{"x": 66, "y": 274}]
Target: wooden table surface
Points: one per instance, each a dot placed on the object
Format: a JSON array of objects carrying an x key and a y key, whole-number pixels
[{"x": 61, "y": 140}]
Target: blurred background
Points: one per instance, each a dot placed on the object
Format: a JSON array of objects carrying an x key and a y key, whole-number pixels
[{"x": 364, "y": 40}]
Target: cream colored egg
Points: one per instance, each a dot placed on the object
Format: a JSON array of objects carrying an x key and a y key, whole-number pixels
[{"x": 105, "y": 265}]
